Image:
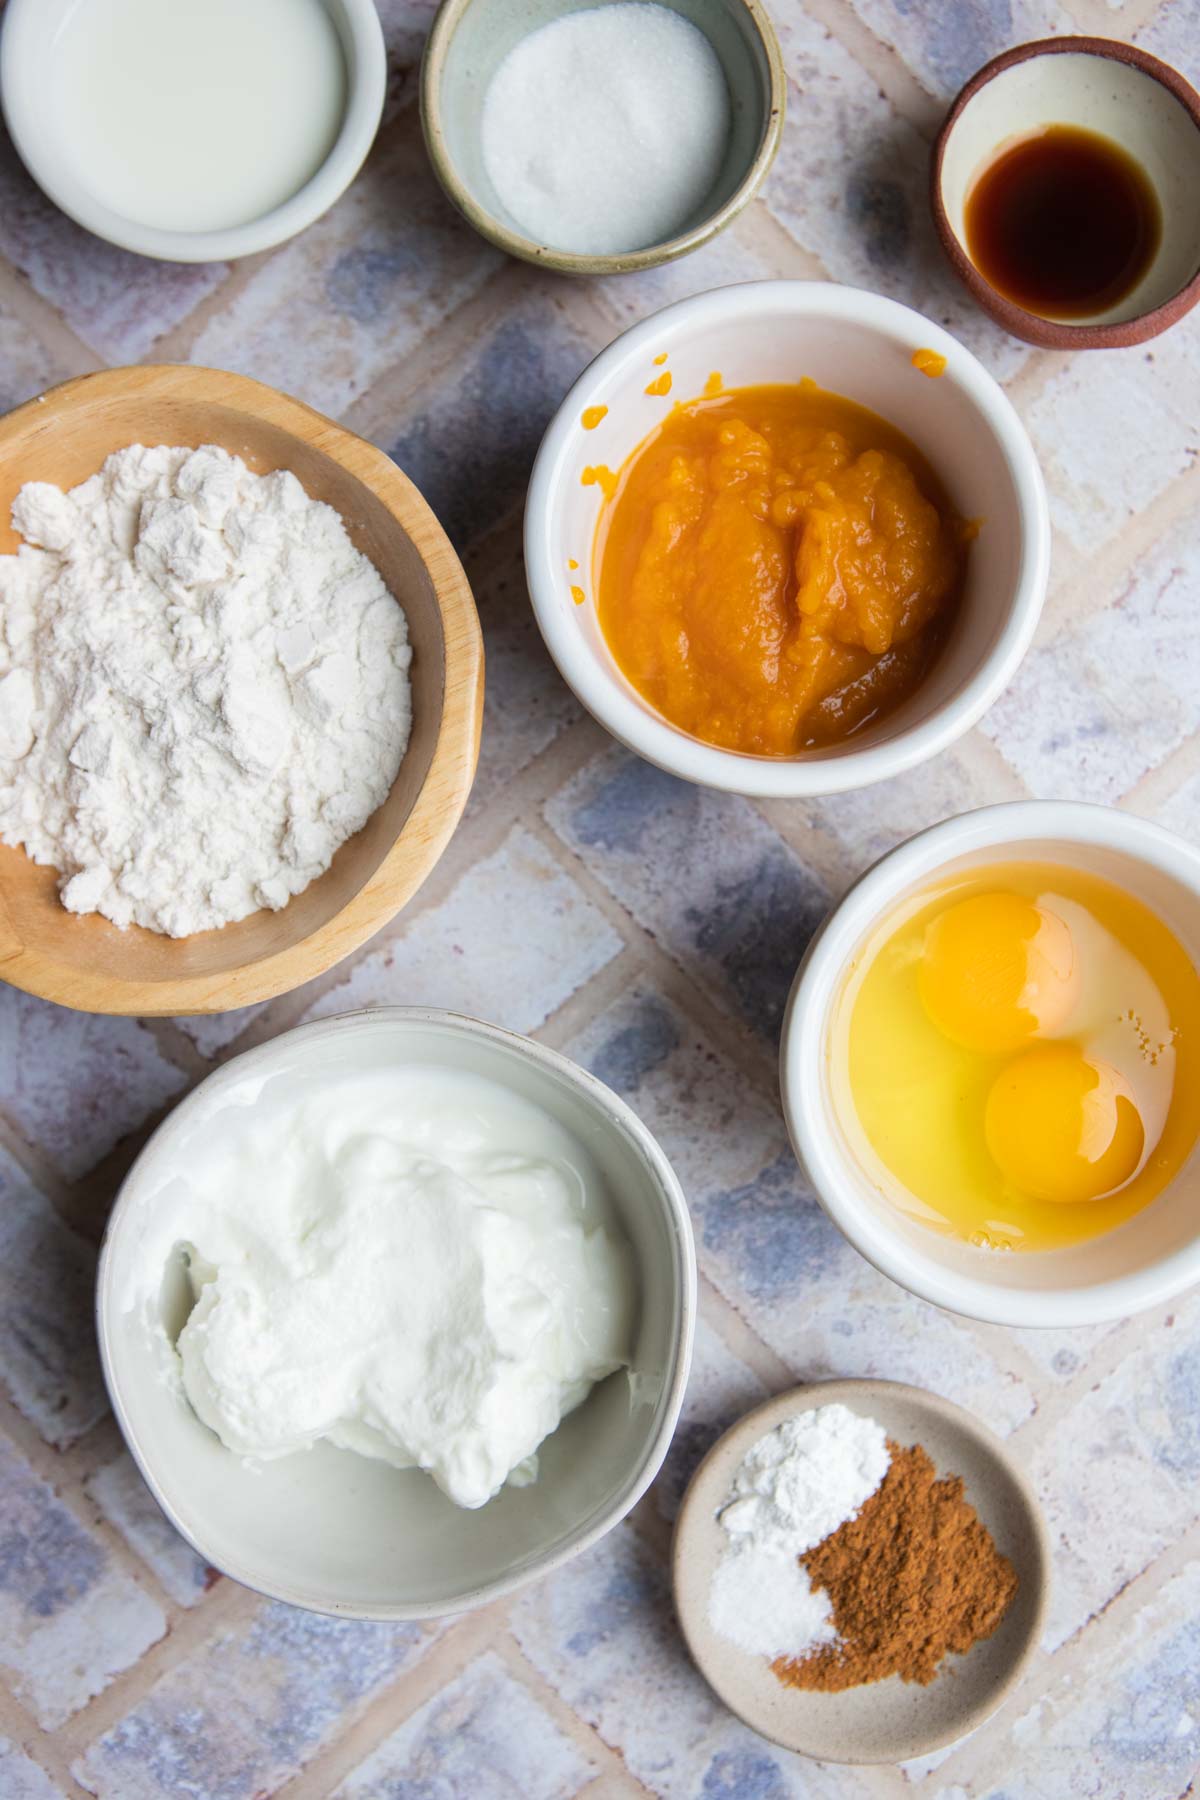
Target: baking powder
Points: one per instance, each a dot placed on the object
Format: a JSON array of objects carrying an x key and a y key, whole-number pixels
[{"x": 793, "y": 1488}]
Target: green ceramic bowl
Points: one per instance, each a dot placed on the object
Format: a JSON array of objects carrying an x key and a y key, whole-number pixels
[{"x": 470, "y": 38}]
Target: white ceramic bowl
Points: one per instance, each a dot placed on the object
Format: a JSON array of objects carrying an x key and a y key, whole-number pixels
[
  {"x": 1142, "y": 1263},
  {"x": 333, "y": 1531},
  {"x": 853, "y": 343},
  {"x": 26, "y": 48}
]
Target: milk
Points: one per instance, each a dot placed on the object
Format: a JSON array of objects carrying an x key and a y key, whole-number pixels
[{"x": 198, "y": 115}]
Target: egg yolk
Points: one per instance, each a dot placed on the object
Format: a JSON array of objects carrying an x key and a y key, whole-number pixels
[
  {"x": 997, "y": 969},
  {"x": 1061, "y": 1126}
]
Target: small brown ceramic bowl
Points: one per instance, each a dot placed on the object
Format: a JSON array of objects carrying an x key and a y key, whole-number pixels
[
  {"x": 1100, "y": 85},
  {"x": 469, "y": 40},
  {"x": 63, "y": 437},
  {"x": 885, "y": 1721}
]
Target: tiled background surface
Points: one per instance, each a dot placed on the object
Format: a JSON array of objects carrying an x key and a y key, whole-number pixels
[{"x": 131, "y": 1672}]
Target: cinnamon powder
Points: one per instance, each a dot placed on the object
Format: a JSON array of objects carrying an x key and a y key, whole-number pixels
[{"x": 914, "y": 1576}]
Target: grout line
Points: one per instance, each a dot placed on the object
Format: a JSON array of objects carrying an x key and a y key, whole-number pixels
[
  {"x": 883, "y": 63},
  {"x": 740, "y": 1338},
  {"x": 382, "y": 406},
  {"x": 194, "y": 1629},
  {"x": 1152, "y": 790},
  {"x": 458, "y": 1645},
  {"x": 18, "y": 1724},
  {"x": 43, "y": 1173},
  {"x": 21, "y": 299},
  {"x": 735, "y": 1038},
  {"x": 1067, "y": 1667},
  {"x": 564, "y": 1715}
]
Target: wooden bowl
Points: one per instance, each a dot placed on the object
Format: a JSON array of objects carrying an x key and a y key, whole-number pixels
[{"x": 63, "y": 437}]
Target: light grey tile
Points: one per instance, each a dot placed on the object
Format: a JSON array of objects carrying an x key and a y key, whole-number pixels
[
  {"x": 1092, "y": 711},
  {"x": 69, "y": 1619},
  {"x": 1119, "y": 1477},
  {"x": 703, "y": 872},
  {"x": 477, "y": 953},
  {"x": 128, "y": 1505},
  {"x": 77, "y": 1083},
  {"x": 482, "y": 1737},
  {"x": 47, "y": 1335},
  {"x": 246, "y": 1712}
]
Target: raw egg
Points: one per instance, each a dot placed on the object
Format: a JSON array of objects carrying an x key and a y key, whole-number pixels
[
  {"x": 1016, "y": 1056},
  {"x": 997, "y": 969}
]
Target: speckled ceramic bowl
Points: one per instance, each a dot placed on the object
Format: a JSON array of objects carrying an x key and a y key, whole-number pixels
[
  {"x": 470, "y": 38},
  {"x": 343, "y": 1534},
  {"x": 1103, "y": 86},
  {"x": 888, "y": 1721}
]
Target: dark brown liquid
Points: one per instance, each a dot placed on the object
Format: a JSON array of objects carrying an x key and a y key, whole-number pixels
[{"x": 1064, "y": 223}]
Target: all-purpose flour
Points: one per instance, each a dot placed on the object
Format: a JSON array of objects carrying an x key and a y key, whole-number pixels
[{"x": 203, "y": 688}]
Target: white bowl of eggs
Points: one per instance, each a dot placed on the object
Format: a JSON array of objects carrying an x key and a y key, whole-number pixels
[{"x": 990, "y": 1064}]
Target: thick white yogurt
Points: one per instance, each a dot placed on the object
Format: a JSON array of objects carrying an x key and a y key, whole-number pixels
[{"x": 417, "y": 1265}]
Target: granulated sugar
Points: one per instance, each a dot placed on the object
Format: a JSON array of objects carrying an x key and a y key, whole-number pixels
[
  {"x": 203, "y": 688},
  {"x": 605, "y": 130}
]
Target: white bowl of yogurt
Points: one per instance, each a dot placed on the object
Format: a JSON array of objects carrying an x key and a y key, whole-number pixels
[
  {"x": 396, "y": 1313},
  {"x": 194, "y": 130}
]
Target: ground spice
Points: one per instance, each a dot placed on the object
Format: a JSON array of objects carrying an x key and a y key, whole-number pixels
[{"x": 913, "y": 1576}]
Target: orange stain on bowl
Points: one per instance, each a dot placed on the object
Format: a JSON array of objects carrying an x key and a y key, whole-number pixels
[
  {"x": 592, "y": 416},
  {"x": 713, "y": 385},
  {"x": 660, "y": 360},
  {"x": 929, "y": 362},
  {"x": 578, "y": 595},
  {"x": 661, "y": 385},
  {"x": 571, "y": 563}
]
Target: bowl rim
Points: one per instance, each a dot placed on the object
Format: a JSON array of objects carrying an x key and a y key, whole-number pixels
[
  {"x": 366, "y": 90},
  {"x": 655, "y": 738},
  {"x": 617, "y": 1115},
  {"x": 870, "y": 1391},
  {"x": 571, "y": 262},
  {"x": 442, "y": 796},
  {"x": 1033, "y": 328},
  {"x": 802, "y": 1058}
]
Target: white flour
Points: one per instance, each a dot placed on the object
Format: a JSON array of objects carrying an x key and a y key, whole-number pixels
[
  {"x": 791, "y": 1491},
  {"x": 203, "y": 688}
]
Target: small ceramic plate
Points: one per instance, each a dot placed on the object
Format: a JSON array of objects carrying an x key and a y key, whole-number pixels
[{"x": 888, "y": 1721}]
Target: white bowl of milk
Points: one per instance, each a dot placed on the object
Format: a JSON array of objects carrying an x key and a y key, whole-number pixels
[
  {"x": 396, "y": 1313},
  {"x": 194, "y": 130}
]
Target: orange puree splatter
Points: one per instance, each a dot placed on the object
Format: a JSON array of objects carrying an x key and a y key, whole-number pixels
[
  {"x": 777, "y": 566},
  {"x": 578, "y": 595},
  {"x": 661, "y": 384},
  {"x": 592, "y": 416},
  {"x": 930, "y": 362},
  {"x": 601, "y": 477}
]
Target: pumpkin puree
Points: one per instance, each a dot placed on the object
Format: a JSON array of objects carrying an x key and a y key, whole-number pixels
[{"x": 777, "y": 566}]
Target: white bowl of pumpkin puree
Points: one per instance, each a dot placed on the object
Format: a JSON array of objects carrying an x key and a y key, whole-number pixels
[{"x": 786, "y": 539}]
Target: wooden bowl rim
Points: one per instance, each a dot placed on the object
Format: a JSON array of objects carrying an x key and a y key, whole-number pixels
[
  {"x": 1057, "y": 334},
  {"x": 443, "y": 793}
]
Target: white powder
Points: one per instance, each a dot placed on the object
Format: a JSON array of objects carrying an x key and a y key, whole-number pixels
[
  {"x": 203, "y": 688},
  {"x": 791, "y": 1491},
  {"x": 606, "y": 129}
]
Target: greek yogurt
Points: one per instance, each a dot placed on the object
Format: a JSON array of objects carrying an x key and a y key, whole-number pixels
[{"x": 417, "y": 1265}]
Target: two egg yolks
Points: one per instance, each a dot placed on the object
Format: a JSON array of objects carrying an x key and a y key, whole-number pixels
[
  {"x": 997, "y": 972},
  {"x": 1019, "y": 1056}
]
